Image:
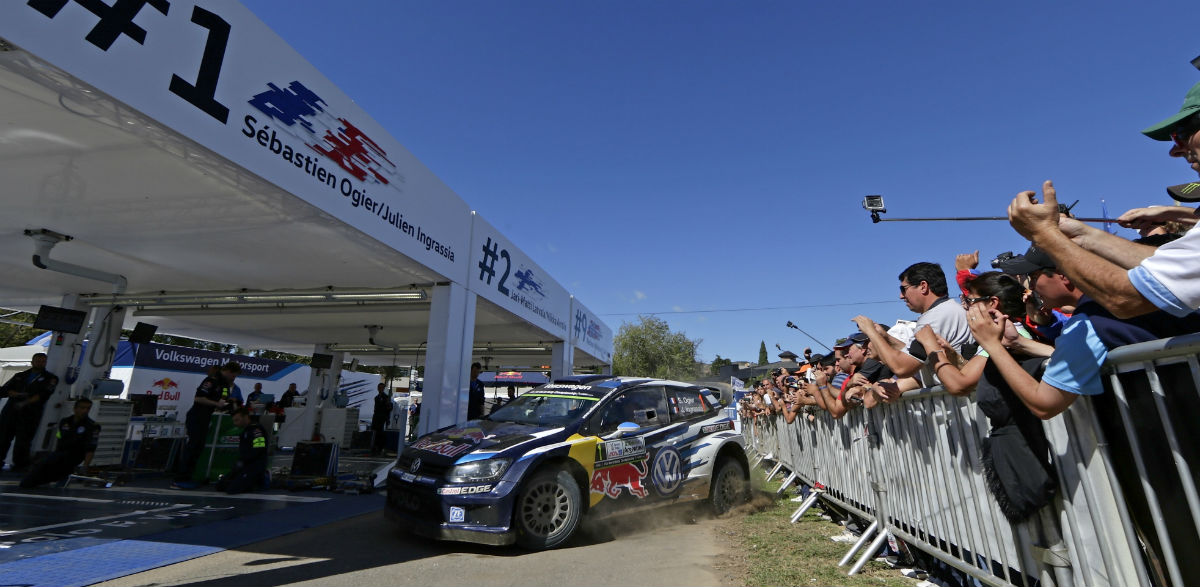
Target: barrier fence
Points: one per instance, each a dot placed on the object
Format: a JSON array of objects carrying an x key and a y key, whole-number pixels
[{"x": 1126, "y": 462}]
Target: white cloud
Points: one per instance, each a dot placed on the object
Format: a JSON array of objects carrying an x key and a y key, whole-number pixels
[
  {"x": 677, "y": 308},
  {"x": 551, "y": 247},
  {"x": 638, "y": 295}
]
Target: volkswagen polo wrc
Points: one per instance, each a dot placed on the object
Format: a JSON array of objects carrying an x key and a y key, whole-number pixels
[{"x": 588, "y": 445}]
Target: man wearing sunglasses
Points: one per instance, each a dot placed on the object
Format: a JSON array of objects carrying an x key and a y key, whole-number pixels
[
  {"x": 923, "y": 289},
  {"x": 1127, "y": 278}
]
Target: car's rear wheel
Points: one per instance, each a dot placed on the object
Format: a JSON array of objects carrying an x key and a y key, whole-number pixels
[
  {"x": 729, "y": 486},
  {"x": 547, "y": 510}
]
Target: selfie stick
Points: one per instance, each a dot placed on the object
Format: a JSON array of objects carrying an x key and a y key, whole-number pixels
[
  {"x": 875, "y": 218},
  {"x": 790, "y": 325},
  {"x": 874, "y": 205}
]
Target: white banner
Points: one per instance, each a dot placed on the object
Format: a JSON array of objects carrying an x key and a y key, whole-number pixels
[
  {"x": 217, "y": 75},
  {"x": 589, "y": 333},
  {"x": 506, "y": 276}
]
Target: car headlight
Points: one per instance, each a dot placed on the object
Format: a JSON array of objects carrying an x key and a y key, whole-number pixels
[{"x": 475, "y": 471}]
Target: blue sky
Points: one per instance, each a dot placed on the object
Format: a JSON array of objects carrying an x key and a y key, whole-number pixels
[{"x": 705, "y": 160}]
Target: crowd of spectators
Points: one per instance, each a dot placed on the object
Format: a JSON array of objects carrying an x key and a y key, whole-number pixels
[{"x": 1026, "y": 338}]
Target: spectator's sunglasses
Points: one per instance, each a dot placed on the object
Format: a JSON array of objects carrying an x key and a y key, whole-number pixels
[
  {"x": 1185, "y": 130},
  {"x": 967, "y": 301}
]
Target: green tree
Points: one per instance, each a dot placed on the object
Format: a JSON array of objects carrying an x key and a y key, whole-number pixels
[
  {"x": 17, "y": 334},
  {"x": 649, "y": 349},
  {"x": 762, "y": 353},
  {"x": 718, "y": 363}
]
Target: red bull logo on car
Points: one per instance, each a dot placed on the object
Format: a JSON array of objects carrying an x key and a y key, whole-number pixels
[
  {"x": 475, "y": 435},
  {"x": 444, "y": 447},
  {"x": 610, "y": 480}
]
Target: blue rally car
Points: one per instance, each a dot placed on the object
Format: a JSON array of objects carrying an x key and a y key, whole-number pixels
[{"x": 593, "y": 445}]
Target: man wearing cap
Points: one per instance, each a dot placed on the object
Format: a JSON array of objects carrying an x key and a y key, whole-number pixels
[
  {"x": 1074, "y": 366},
  {"x": 1129, "y": 279},
  {"x": 1045, "y": 322},
  {"x": 861, "y": 374}
]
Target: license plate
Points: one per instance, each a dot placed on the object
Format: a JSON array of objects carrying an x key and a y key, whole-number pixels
[{"x": 406, "y": 500}]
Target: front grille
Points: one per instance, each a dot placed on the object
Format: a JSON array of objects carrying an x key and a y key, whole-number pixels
[
  {"x": 428, "y": 469},
  {"x": 413, "y": 501}
]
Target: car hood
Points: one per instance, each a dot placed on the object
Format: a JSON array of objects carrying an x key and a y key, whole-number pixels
[{"x": 481, "y": 436}]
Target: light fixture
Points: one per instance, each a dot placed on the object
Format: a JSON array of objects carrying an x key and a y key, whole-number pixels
[{"x": 262, "y": 299}]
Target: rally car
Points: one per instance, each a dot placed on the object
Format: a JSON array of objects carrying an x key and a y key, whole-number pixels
[{"x": 593, "y": 445}]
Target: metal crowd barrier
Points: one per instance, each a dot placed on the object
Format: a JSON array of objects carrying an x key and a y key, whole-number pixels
[{"x": 1128, "y": 467}]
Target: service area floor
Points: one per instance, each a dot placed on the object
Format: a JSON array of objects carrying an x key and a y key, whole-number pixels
[{"x": 83, "y": 535}]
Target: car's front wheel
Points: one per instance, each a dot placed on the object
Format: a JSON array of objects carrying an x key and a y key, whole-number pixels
[
  {"x": 548, "y": 509},
  {"x": 728, "y": 486}
]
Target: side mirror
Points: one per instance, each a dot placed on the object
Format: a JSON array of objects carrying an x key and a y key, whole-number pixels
[{"x": 627, "y": 428}]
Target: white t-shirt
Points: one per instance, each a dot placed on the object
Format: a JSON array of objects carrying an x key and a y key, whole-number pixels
[
  {"x": 1170, "y": 278},
  {"x": 949, "y": 321}
]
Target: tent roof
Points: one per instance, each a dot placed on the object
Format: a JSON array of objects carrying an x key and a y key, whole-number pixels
[{"x": 145, "y": 202}]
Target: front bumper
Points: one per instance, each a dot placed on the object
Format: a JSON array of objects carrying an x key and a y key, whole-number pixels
[{"x": 482, "y": 518}]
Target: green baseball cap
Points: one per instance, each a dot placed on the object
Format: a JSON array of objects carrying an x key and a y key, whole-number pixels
[{"x": 1191, "y": 105}]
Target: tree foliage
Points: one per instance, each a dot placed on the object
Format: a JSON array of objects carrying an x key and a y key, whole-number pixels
[
  {"x": 718, "y": 363},
  {"x": 17, "y": 334},
  {"x": 648, "y": 348},
  {"x": 762, "y": 353}
]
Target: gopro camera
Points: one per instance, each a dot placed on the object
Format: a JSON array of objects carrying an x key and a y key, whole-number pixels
[{"x": 874, "y": 204}]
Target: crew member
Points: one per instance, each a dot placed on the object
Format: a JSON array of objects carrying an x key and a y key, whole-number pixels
[
  {"x": 289, "y": 396},
  {"x": 78, "y": 435},
  {"x": 27, "y": 394},
  {"x": 213, "y": 394},
  {"x": 500, "y": 402},
  {"x": 250, "y": 472},
  {"x": 254, "y": 395},
  {"x": 379, "y": 419},
  {"x": 476, "y": 396}
]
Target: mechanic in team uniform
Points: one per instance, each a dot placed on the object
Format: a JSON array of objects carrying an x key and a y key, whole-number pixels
[
  {"x": 379, "y": 418},
  {"x": 250, "y": 472},
  {"x": 213, "y": 394},
  {"x": 78, "y": 435},
  {"x": 27, "y": 394}
]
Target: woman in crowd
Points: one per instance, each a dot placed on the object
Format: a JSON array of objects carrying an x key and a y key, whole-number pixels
[{"x": 1016, "y": 455}]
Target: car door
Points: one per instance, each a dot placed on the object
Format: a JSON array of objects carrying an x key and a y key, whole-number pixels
[{"x": 621, "y": 473}]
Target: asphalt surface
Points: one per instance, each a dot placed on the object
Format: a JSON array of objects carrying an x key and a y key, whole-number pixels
[{"x": 672, "y": 546}]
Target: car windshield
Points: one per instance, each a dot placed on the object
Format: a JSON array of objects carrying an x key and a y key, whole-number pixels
[{"x": 544, "y": 409}]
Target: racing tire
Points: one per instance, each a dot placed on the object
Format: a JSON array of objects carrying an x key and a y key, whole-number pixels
[
  {"x": 729, "y": 487},
  {"x": 547, "y": 510}
]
